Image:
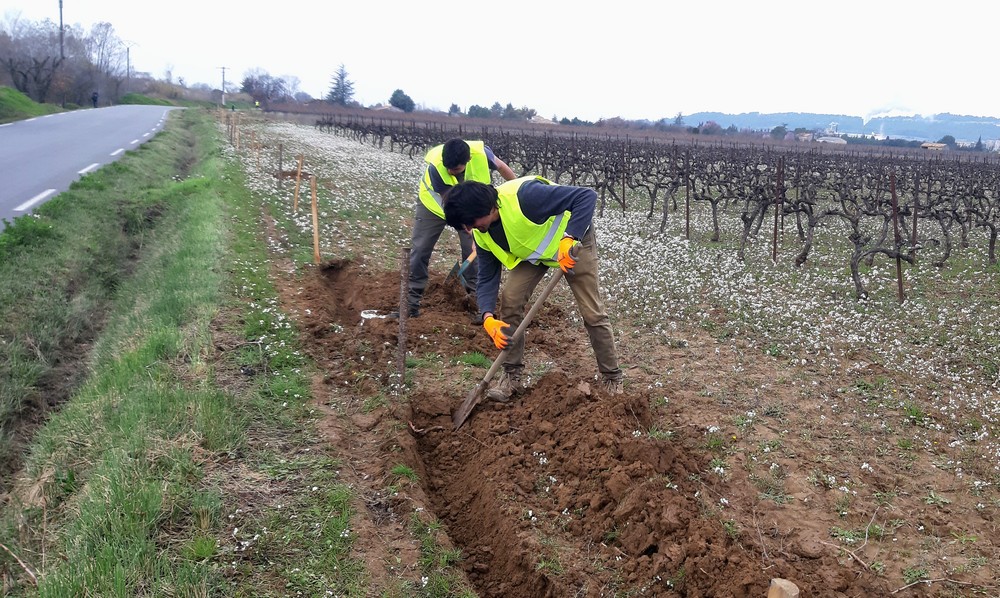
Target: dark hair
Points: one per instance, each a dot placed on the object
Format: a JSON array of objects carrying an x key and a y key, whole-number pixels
[
  {"x": 456, "y": 153},
  {"x": 467, "y": 202}
]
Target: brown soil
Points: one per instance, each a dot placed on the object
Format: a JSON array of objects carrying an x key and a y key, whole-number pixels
[{"x": 568, "y": 491}]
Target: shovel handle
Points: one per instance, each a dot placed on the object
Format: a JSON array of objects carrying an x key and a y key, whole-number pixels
[
  {"x": 468, "y": 260},
  {"x": 473, "y": 398}
]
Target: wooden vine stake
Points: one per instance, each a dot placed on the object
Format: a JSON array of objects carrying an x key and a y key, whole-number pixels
[
  {"x": 778, "y": 196},
  {"x": 236, "y": 132},
  {"x": 404, "y": 312},
  {"x": 898, "y": 238},
  {"x": 281, "y": 165},
  {"x": 687, "y": 198},
  {"x": 298, "y": 183},
  {"x": 255, "y": 144},
  {"x": 315, "y": 212}
]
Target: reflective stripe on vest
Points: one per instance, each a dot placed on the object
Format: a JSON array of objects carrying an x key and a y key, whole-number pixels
[{"x": 528, "y": 241}]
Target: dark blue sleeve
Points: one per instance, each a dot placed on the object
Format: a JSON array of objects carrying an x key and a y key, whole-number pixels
[
  {"x": 488, "y": 285},
  {"x": 490, "y": 158},
  {"x": 437, "y": 183},
  {"x": 540, "y": 201}
]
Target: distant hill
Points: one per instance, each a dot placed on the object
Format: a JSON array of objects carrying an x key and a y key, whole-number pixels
[{"x": 931, "y": 128}]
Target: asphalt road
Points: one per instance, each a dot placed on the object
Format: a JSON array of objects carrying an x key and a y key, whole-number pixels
[{"x": 40, "y": 157}]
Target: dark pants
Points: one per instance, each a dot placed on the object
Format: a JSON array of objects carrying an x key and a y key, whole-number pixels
[{"x": 427, "y": 228}]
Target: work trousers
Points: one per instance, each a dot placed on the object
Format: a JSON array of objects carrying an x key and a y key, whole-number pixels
[
  {"x": 521, "y": 282},
  {"x": 427, "y": 228}
]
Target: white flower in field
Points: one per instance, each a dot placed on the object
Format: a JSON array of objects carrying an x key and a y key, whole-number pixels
[{"x": 866, "y": 467}]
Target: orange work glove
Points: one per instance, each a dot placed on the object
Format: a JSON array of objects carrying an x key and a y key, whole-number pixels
[
  {"x": 493, "y": 326},
  {"x": 563, "y": 256}
]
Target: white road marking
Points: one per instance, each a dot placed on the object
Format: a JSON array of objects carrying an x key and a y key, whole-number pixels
[
  {"x": 93, "y": 166},
  {"x": 117, "y": 151},
  {"x": 41, "y": 196}
]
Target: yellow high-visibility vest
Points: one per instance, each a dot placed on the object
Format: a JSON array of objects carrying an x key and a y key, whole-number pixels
[
  {"x": 535, "y": 243},
  {"x": 478, "y": 169}
]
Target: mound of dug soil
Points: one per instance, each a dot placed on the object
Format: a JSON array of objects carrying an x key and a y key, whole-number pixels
[{"x": 565, "y": 491}]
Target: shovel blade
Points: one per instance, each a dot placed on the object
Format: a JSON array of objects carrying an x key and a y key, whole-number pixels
[
  {"x": 458, "y": 270},
  {"x": 465, "y": 409},
  {"x": 455, "y": 272}
]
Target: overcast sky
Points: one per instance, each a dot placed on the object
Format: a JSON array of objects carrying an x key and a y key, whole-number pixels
[{"x": 637, "y": 59}]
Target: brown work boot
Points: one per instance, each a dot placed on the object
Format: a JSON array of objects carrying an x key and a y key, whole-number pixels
[
  {"x": 612, "y": 383},
  {"x": 507, "y": 385}
]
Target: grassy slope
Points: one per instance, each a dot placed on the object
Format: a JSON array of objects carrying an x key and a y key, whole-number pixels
[
  {"x": 14, "y": 105},
  {"x": 126, "y": 487}
]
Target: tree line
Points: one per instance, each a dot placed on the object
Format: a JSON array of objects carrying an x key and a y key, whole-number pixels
[
  {"x": 53, "y": 64},
  {"x": 64, "y": 65}
]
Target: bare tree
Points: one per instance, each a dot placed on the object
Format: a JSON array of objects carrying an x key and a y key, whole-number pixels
[{"x": 32, "y": 56}]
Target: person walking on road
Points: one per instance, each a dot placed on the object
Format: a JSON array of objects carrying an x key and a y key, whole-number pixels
[
  {"x": 529, "y": 225},
  {"x": 448, "y": 164},
  {"x": 93, "y": 99}
]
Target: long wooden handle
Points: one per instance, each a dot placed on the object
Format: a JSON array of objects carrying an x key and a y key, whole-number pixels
[{"x": 474, "y": 396}]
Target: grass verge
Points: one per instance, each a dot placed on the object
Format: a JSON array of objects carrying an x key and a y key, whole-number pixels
[{"x": 179, "y": 462}]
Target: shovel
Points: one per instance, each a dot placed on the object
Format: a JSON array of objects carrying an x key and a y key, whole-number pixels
[
  {"x": 458, "y": 270},
  {"x": 472, "y": 399}
]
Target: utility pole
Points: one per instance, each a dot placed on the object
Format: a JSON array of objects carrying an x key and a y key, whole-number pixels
[
  {"x": 223, "y": 86},
  {"x": 128, "y": 64},
  {"x": 61, "y": 55},
  {"x": 128, "y": 68}
]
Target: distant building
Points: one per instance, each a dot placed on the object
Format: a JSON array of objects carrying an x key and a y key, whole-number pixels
[
  {"x": 541, "y": 120},
  {"x": 833, "y": 140},
  {"x": 934, "y": 146}
]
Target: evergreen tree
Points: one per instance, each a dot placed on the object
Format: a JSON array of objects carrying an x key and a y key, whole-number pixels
[
  {"x": 341, "y": 88},
  {"x": 402, "y": 101},
  {"x": 477, "y": 111}
]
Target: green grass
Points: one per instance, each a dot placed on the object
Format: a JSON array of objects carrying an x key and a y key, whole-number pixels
[
  {"x": 64, "y": 267},
  {"x": 124, "y": 459},
  {"x": 138, "y": 98},
  {"x": 14, "y": 105},
  {"x": 436, "y": 561},
  {"x": 475, "y": 359},
  {"x": 134, "y": 466}
]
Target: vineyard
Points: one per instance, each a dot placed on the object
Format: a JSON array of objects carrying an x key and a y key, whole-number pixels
[
  {"x": 813, "y": 360},
  {"x": 880, "y": 204}
]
